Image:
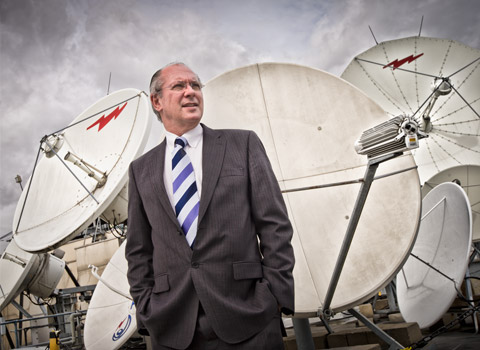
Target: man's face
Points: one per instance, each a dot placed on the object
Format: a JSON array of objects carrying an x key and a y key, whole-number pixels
[{"x": 181, "y": 103}]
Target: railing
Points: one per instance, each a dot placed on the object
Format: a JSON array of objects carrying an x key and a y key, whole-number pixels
[{"x": 17, "y": 330}]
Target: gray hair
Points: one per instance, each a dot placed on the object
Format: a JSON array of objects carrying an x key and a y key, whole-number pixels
[{"x": 156, "y": 83}]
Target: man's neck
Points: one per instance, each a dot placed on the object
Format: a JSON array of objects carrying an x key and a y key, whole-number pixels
[
  {"x": 187, "y": 132},
  {"x": 179, "y": 130}
]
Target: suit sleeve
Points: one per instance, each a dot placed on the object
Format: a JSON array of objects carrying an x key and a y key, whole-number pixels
[
  {"x": 272, "y": 225},
  {"x": 138, "y": 251}
]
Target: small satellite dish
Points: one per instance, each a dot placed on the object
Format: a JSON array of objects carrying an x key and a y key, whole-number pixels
[
  {"x": 59, "y": 201},
  {"x": 308, "y": 121},
  {"x": 468, "y": 177},
  {"x": 444, "y": 239},
  {"x": 111, "y": 320},
  {"x": 436, "y": 81},
  {"x": 21, "y": 270}
]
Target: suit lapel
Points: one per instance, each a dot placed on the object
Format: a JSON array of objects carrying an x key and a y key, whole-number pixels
[
  {"x": 156, "y": 174},
  {"x": 212, "y": 160}
]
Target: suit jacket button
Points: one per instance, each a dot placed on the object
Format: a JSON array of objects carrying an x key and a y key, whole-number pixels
[{"x": 195, "y": 265}]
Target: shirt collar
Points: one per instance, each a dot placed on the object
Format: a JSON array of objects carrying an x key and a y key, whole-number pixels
[{"x": 193, "y": 136}]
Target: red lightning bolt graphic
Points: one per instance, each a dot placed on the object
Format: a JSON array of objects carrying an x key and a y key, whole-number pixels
[
  {"x": 102, "y": 121},
  {"x": 396, "y": 64}
]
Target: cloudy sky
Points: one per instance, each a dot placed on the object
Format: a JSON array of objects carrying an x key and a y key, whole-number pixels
[{"x": 56, "y": 55}]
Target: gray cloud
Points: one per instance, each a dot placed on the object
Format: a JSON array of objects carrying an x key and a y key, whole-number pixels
[
  {"x": 343, "y": 32},
  {"x": 56, "y": 55}
]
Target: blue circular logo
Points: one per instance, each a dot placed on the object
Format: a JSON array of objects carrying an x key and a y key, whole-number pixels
[{"x": 122, "y": 328}]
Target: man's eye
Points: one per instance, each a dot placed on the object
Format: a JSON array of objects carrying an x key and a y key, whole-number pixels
[
  {"x": 195, "y": 86},
  {"x": 178, "y": 87}
]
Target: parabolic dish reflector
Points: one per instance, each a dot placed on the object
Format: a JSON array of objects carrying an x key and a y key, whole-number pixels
[
  {"x": 468, "y": 177},
  {"x": 308, "y": 121},
  {"x": 443, "y": 241},
  {"x": 402, "y": 75},
  {"x": 21, "y": 270},
  {"x": 17, "y": 267},
  {"x": 107, "y": 136},
  {"x": 111, "y": 320}
]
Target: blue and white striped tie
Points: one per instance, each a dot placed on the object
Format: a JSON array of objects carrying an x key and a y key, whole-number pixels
[{"x": 185, "y": 194}]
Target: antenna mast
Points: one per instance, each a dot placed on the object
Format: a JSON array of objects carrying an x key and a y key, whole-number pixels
[
  {"x": 109, "y": 79},
  {"x": 421, "y": 24},
  {"x": 371, "y": 31}
]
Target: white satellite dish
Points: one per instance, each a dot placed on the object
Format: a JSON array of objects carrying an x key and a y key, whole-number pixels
[
  {"x": 21, "y": 270},
  {"x": 308, "y": 121},
  {"x": 98, "y": 146},
  {"x": 435, "y": 80},
  {"x": 4, "y": 242},
  {"x": 444, "y": 239},
  {"x": 111, "y": 320},
  {"x": 468, "y": 177}
]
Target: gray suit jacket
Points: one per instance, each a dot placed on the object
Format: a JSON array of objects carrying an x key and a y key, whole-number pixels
[{"x": 241, "y": 266}]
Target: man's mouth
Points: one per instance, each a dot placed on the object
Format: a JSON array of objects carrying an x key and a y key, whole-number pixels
[{"x": 190, "y": 104}]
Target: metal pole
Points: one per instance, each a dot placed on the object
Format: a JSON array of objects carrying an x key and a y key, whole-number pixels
[
  {"x": 394, "y": 345},
  {"x": 372, "y": 166},
  {"x": 20, "y": 308},
  {"x": 17, "y": 343},
  {"x": 303, "y": 334},
  {"x": 28, "y": 188},
  {"x": 392, "y": 304},
  {"x": 7, "y": 333},
  {"x": 352, "y": 225},
  {"x": 20, "y": 316},
  {"x": 72, "y": 276},
  {"x": 469, "y": 289}
]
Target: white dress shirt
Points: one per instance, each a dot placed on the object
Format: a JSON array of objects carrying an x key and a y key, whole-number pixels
[{"x": 194, "y": 151}]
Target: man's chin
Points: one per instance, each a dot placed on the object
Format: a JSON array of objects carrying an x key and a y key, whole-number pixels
[
  {"x": 193, "y": 117},
  {"x": 191, "y": 109}
]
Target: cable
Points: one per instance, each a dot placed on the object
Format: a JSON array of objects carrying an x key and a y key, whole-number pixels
[
  {"x": 93, "y": 115},
  {"x": 46, "y": 301}
]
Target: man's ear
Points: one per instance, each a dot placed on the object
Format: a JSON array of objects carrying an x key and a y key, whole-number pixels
[{"x": 156, "y": 103}]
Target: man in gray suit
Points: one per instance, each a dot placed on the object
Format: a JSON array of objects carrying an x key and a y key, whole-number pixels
[{"x": 208, "y": 244}]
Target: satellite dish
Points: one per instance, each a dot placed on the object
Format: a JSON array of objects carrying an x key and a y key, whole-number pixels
[
  {"x": 443, "y": 241},
  {"x": 468, "y": 177},
  {"x": 111, "y": 320},
  {"x": 59, "y": 201},
  {"x": 4, "y": 242},
  {"x": 435, "y": 80},
  {"x": 308, "y": 121},
  {"x": 21, "y": 270}
]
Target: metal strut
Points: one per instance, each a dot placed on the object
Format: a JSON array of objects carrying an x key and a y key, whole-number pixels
[
  {"x": 28, "y": 188},
  {"x": 352, "y": 225},
  {"x": 394, "y": 345},
  {"x": 75, "y": 176}
]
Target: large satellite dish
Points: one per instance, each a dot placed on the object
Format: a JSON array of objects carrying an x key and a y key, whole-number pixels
[
  {"x": 111, "y": 320},
  {"x": 435, "y": 80},
  {"x": 59, "y": 201},
  {"x": 468, "y": 177},
  {"x": 21, "y": 270},
  {"x": 308, "y": 121},
  {"x": 425, "y": 292}
]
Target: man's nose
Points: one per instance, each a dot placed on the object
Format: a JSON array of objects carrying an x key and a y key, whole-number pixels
[{"x": 189, "y": 90}]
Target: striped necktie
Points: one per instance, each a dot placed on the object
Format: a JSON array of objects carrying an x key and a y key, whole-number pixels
[{"x": 185, "y": 194}]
